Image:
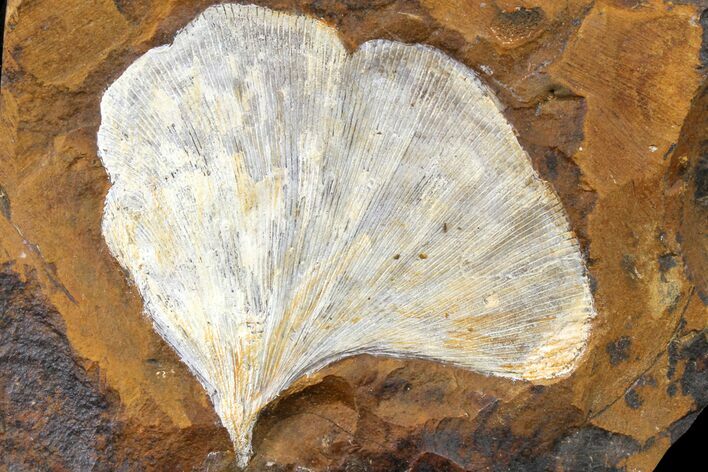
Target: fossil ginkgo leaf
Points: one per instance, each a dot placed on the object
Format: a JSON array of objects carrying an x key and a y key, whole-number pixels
[{"x": 282, "y": 203}]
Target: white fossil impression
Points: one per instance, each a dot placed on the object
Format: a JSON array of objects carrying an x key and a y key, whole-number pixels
[{"x": 282, "y": 203}]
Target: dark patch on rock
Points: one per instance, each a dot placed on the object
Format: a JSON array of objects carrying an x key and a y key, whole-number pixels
[
  {"x": 371, "y": 4},
  {"x": 54, "y": 415},
  {"x": 10, "y": 76},
  {"x": 433, "y": 463},
  {"x": 586, "y": 449},
  {"x": 667, "y": 262},
  {"x": 122, "y": 6},
  {"x": 649, "y": 442},
  {"x": 594, "y": 449},
  {"x": 592, "y": 282},
  {"x": 694, "y": 381},
  {"x": 490, "y": 443},
  {"x": 5, "y": 204},
  {"x": 674, "y": 303},
  {"x": 673, "y": 355},
  {"x": 552, "y": 165},
  {"x": 633, "y": 399},
  {"x": 680, "y": 426},
  {"x": 671, "y": 390},
  {"x": 703, "y": 297},
  {"x": 500, "y": 446},
  {"x": 393, "y": 385},
  {"x": 434, "y": 394},
  {"x": 669, "y": 151},
  {"x": 451, "y": 438},
  {"x": 618, "y": 350},
  {"x": 646, "y": 380},
  {"x": 397, "y": 459}
]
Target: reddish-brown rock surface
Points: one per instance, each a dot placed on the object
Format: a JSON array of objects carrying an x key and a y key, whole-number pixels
[{"x": 609, "y": 99}]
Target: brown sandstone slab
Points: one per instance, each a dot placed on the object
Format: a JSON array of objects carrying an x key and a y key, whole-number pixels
[{"x": 608, "y": 98}]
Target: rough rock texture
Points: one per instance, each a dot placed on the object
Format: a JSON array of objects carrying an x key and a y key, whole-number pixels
[{"x": 608, "y": 98}]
